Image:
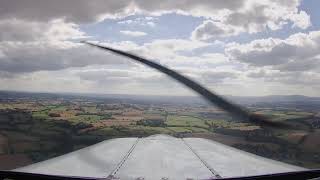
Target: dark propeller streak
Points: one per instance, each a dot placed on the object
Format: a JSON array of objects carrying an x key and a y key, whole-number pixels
[{"x": 235, "y": 110}]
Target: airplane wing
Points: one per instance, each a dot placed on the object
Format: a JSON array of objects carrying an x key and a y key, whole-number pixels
[{"x": 159, "y": 157}]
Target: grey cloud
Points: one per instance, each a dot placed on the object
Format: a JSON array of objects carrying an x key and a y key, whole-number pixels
[
  {"x": 76, "y": 11},
  {"x": 189, "y": 6},
  {"x": 299, "y": 79},
  {"x": 6, "y": 75},
  {"x": 212, "y": 30},
  {"x": 15, "y": 30},
  {"x": 153, "y": 78},
  {"x": 302, "y": 65},
  {"x": 213, "y": 77},
  {"x": 299, "y": 52},
  {"x": 254, "y": 17},
  {"x": 209, "y": 76},
  {"x": 88, "y": 11},
  {"x": 260, "y": 57},
  {"x": 56, "y": 54},
  {"x": 28, "y": 57},
  {"x": 294, "y": 78},
  {"x": 129, "y": 77},
  {"x": 258, "y": 74},
  {"x": 24, "y": 31},
  {"x": 102, "y": 75}
]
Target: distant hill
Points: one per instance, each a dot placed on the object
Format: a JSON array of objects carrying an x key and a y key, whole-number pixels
[
  {"x": 273, "y": 99},
  {"x": 183, "y": 100}
]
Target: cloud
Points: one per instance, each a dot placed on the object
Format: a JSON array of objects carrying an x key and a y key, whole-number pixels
[
  {"x": 166, "y": 48},
  {"x": 223, "y": 18},
  {"x": 40, "y": 56},
  {"x": 213, "y": 77},
  {"x": 39, "y": 48},
  {"x": 137, "y": 79},
  {"x": 253, "y": 17},
  {"x": 35, "y": 61},
  {"x": 46, "y": 81},
  {"x": 163, "y": 50},
  {"x": 109, "y": 75},
  {"x": 133, "y": 33},
  {"x": 82, "y": 11},
  {"x": 294, "y": 78},
  {"x": 19, "y": 30},
  {"x": 141, "y": 21},
  {"x": 257, "y": 74},
  {"x": 212, "y": 30},
  {"x": 299, "y": 79},
  {"x": 291, "y": 64},
  {"x": 299, "y": 52},
  {"x": 301, "y": 20},
  {"x": 95, "y": 10},
  {"x": 151, "y": 79},
  {"x": 52, "y": 54},
  {"x": 249, "y": 13}
]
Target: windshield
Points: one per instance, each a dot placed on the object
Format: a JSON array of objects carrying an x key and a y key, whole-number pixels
[{"x": 242, "y": 98}]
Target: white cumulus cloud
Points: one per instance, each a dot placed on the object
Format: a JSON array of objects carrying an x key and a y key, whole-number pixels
[{"x": 133, "y": 33}]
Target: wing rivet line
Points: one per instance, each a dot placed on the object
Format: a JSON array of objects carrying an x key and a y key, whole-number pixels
[
  {"x": 114, "y": 172},
  {"x": 215, "y": 173}
]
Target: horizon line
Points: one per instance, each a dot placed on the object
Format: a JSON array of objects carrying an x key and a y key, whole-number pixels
[{"x": 163, "y": 95}]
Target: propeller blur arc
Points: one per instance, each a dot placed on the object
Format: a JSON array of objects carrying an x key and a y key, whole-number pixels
[{"x": 235, "y": 110}]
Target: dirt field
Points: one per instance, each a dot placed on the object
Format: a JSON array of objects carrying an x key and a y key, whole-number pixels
[
  {"x": 14, "y": 161},
  {"x": 312, "y": 142}
]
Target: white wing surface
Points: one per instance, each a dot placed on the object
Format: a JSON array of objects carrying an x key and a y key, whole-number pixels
[{"x": 159, "y": 157}]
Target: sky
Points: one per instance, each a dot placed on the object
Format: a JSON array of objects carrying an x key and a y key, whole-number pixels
[{"x": 233, "y": 47}]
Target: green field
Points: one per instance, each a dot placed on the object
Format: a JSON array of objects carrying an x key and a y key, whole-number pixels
[
  {"x": 87, "y": 118},
  {"x": 285, "y": 115},
  {"x": 44, "y": 113},
  {"x": 185, "y": 121},
  {"x": 47, "y": 130}
]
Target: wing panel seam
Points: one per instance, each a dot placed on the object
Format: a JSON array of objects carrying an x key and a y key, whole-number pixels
[
  {"x": 215, "y": 173},
  {"x": 123, "y": 160}
]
